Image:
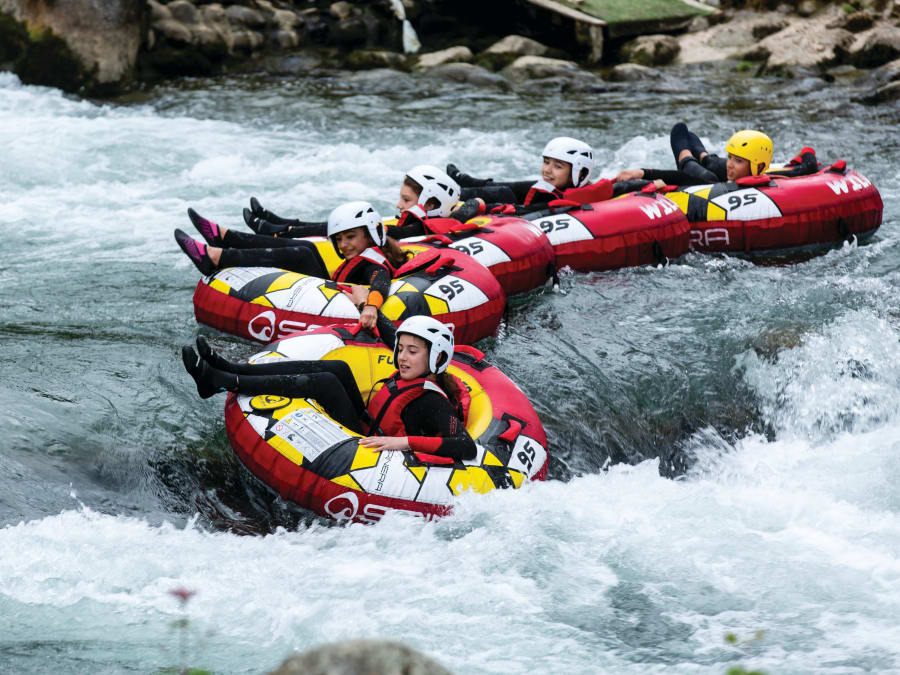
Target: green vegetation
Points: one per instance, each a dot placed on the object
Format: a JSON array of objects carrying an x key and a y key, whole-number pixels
[{"x": 614, "y": 11}]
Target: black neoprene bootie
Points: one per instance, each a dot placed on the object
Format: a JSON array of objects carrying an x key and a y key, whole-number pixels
[
  {"x": 209, "y": 380},
  {"x": 264, "y": 214},
  {"x": 261, "y": 225},
  {"x": 679, "y": 139},
  {"x": 464, "y": 179},
  {"x": 208, "y": 354}
]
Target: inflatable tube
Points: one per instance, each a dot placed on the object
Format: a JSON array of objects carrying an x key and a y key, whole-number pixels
[
  {"x": 515, "y": 250},
  {"x": 265, "y": 304},
  {"x": 642, "y": 228},
  {"x": 766, "y": 215},
  {"x": 292, "y": 446}
]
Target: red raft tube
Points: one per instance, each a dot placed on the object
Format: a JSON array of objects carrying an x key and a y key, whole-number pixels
[
  {"x": 641, "y": 228},
  {"x": 296, "y": 449},
  {"x": 515, "y": 250},
  {"x": 266, "y": 304},
  {"x": 770, "y": 215}
]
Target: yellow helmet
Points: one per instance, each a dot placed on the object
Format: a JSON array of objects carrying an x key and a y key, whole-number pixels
[{"x": 754, "y": 146}]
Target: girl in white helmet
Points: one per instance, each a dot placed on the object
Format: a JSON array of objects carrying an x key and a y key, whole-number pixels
[
  {"x": 566, "y": 165},
  {"x": 370, "y": 256},
  {"x": 421, "y": 407}
]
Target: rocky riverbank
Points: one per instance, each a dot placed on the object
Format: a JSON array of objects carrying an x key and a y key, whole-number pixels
[{"x": 147, "y": 40}]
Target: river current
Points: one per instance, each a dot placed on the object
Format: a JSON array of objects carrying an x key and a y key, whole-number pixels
[{"x": 725, "y": 436}]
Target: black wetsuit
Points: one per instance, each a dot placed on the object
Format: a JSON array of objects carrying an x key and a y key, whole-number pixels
[
  {"x": 712, "y": 169},
  {"x": 331, "y": 383}
]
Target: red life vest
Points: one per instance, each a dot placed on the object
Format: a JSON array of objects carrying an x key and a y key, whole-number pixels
[
  {"x": 431, "y": 225},
  {"x": 588, "y": 194},
  {"x": 372, "y": 254},
  {"x": 386, "y": 407},
  {"x": 542, "y": 187}
]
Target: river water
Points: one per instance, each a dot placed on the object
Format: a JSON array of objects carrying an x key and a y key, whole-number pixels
[{"x": 725, "y": 435}]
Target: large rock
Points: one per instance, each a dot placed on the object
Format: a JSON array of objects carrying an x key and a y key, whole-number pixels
[
  {"x": 359, "y": 657},
  {"x": 728, "y": 40},
  {"x": 518, "y": 45},
  {"x": 651, "y": 50},
  {"x": 876, "y": 47},
  {"x": 245, "y": 16},
  {"x": 452, "y": 55},
  {"x": 806, "y": 43},
  {"x": 104, "y": 36},
  {"x": 535, "y": 67}
]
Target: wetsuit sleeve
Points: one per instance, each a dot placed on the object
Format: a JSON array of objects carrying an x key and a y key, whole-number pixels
[
  {"x": 675, "y": 177},
  {"x": 519, "y": 190},
  {"x": 411, "y": 228},
  {"x": 432, "y": 426},
  {"x": 300, "y": 229},
  {"x": 386, "y": 330},
  {"x": 376, "y": 276},
  {"x": 500, "y": 194}
]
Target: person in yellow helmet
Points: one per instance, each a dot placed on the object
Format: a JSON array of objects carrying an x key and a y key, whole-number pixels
[{"x": 749, "y": 154}]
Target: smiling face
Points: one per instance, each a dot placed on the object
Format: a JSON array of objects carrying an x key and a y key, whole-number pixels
[
  {"x": 557, "y": 172},
  {"x": 412, "y": 357},
  {"x": 353, "y": 242},
  {"x": 736, "y": 167}
]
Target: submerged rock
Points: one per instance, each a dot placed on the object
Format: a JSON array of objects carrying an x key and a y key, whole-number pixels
[
  {"x": 356, "y": 657},
  {"x": 633, "y": 72},
  {"x": 532, "y": 67},
  {"x": 467, "y": 73}
]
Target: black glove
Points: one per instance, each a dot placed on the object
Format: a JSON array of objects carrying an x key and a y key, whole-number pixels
[{"x": 469, "y": 209}]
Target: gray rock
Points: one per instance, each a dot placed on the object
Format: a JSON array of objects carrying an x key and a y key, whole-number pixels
[
  {"x": 295, "y": 64},
  {"x": 886, "y": 94},
  {"x": 519, "y": 45},
  {"x": 651, "y": 50},
  {"x": 341, "y": 10},
  {"x": 889, "y": 72},
  {"x": 245, "y": 16},
  {"x": 361, "y": 657},
  {"x": 857, "y": 22},
  {"x": 285, "y": 19},
  {"x": 174, "y": 32},
  {"x": 458, "y": 54},
  {"x": 534, "y": 67},
  {"x": 807, "y": 8},
  {"x": 697, "y": 24},
  {"x": 158, "y": 12},
  {"x": 805, "y": 44},
  {"x": 379, "y": 80},
  {"x": 876, "y": 47},
  {"x": 183, "y": 11},
  {"x": 364, "y": 59},
  {"x": 466, "y": 73},
  {"x": 633, "y": 72},
  {"x": 349, "y": 32}
]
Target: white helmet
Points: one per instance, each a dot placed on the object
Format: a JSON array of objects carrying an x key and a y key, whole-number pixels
[
  {"x": 437, "y": 335},
  {"x": 352, "y": 215},
  {"x": 438, "y": 185},
  {"x": 577, "y": 153}
]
